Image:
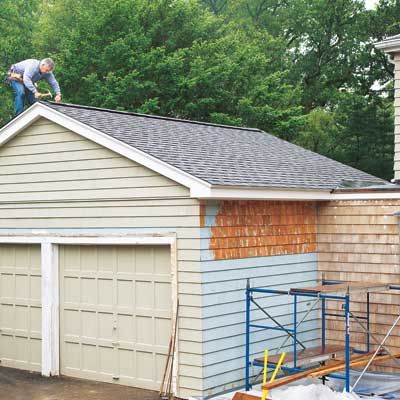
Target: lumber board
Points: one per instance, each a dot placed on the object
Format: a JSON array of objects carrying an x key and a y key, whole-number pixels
[
  {"x": 354, "y": 364},
  {"x": 321, "y": 370},
  {"x": 342, "y": 288},
  {"x": 330, "y": 351},
  {"x": 245, "y": 396}
]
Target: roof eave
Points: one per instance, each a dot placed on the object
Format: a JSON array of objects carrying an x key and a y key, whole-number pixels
[
  {"x": 292, "y": 194},
  {"x": 389, "y": 45}
]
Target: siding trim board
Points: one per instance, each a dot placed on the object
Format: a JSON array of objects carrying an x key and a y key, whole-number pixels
[{"x": 51, "y": 284}]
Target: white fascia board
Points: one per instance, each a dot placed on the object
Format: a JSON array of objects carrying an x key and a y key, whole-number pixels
[
  {"x": 366, "y": 196},
  {"x": 85, "y": 240},
  {"x": 40, "y": 110},
  {"x": 389, "y": 45},
  {"x": 290, "y": 194},
  {"x": 236, "y": 193}
]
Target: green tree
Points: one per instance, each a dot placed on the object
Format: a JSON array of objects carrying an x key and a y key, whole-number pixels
[{"x": 16, "y": 30}]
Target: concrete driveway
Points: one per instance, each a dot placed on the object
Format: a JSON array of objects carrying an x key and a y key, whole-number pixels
[{"x": 22, "y": 385}]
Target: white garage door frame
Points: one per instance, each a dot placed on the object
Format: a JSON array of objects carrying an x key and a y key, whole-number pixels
[{"x": 51, "y": 284}]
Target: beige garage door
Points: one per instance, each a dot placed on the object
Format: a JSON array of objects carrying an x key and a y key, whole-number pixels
[
  {"x": 115, "y": 318},
  {"x": 20, "y": 306}
]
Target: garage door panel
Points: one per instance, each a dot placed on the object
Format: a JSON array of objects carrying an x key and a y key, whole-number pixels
[
  {"x": 121, "y": 299},
  {"x": 125, "y": 292},
  {"x": 36, "y": 351},
  {"x": 144, "y": 260},
  {"x": 88, "y": 291},
  {"x": 106, "y": 363},
  {"x": 72, "y": 326},
  {"x": 36, "y": 288},
  {"x": 162, "y": 292},
  {"x": 144, "y": 294},
  {"x": 36, "y": 320},
  {"x": 162, "y": 262},
  {"x": 162, "y": 331},
  {"x": 89, "y": 324},
  {"x": 7, "y": 284},
  {"x": 20, "y": 306},
  {"x": 145, "y": 365},
  {"x": 71, "y": 292},
  {"x": 22, "y": 319},
  {"x": 126, "y": 260},
  {"x": 126, "y": 331},
  {"x": 105, "y": 325},
  {"x": 106, "y": 259},
  {"x": 160, "y": 362},
  {"x": 126, "y": 363},
  {"x": 105, "y": 292},
  {"x": 72, "y": 356}
]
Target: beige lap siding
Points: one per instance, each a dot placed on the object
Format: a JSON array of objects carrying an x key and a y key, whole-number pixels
[
  {"x": 53, "y": 178},
  {"x": 359, "y": 241}
]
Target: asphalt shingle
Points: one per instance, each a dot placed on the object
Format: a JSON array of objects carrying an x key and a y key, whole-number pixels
[{"x": 219, "y": 154}]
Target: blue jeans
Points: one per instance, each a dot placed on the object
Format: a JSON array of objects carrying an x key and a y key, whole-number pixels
[{"x": 21, "y": 96}]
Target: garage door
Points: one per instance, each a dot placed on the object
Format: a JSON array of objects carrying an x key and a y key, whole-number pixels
[
  {"x": 20, "y": 306},
  {"x": 115, "y": 318}
]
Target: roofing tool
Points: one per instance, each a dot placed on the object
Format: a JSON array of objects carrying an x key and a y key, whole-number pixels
[{"x": 44, "y": 95}]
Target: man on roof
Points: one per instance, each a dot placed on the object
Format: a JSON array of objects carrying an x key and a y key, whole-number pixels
[{"x": 22, "y": 78}]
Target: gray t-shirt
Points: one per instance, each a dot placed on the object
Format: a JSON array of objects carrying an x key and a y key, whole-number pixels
[{"x": 30, "y": 70}]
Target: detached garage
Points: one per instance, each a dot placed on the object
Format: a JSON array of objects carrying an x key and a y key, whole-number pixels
[{"x": 108, "y": 218}]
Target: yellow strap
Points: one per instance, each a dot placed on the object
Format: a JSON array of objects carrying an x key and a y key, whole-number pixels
[
  {"x": 264, "y": 392},
  {"x": 277, "y": 368}
]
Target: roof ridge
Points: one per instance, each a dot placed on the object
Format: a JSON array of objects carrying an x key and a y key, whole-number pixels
[{"x": 188, "y": 121}]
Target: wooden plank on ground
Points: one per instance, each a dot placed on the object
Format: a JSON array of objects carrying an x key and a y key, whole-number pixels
[{"x": 245, "y": 396}]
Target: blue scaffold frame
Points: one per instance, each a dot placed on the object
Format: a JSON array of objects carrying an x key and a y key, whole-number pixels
[{"x": 293, "y": 331}]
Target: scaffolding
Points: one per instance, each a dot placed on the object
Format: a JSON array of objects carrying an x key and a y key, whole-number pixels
[{"x": 300, "y": 359}]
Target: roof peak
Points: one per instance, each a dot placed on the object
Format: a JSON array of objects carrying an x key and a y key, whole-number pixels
[{"x": 151, "y": 116}]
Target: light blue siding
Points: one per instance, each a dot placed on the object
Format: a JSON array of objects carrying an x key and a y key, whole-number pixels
[{"x": 223, "y": 304}]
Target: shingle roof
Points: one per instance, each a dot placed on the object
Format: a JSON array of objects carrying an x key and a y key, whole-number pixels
[{"x": 218, "y": 154}]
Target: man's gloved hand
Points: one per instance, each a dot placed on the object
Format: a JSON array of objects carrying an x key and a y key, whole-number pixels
[{"x": 57, "y": 99}]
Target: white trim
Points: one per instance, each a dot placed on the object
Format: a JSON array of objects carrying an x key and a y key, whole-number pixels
[
  {"x": 294, "y": 194},
  {"x": 50, "y": 309},
  {"x": 40, "y": 110},
  {"x": 82, "y": 240},
  {"x": 50, "y": 285},
  {"x": 175, "y": 295},
  {"x": 261, "y": 194},
  {"x": 389, "y": 45},
  {"x": 366, "y": 196}
]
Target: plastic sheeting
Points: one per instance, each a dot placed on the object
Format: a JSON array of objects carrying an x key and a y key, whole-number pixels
[
  {"x": 373, "y": 386},
  {"x": 385, "y": 386},
  {"x": 310, "y": 392}
]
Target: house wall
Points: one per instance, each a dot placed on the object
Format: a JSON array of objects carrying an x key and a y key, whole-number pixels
[
  {"x": 274, "y": 245},
  {"x": 359, "y": 241},
  {"x": 55, "y": 180}
]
